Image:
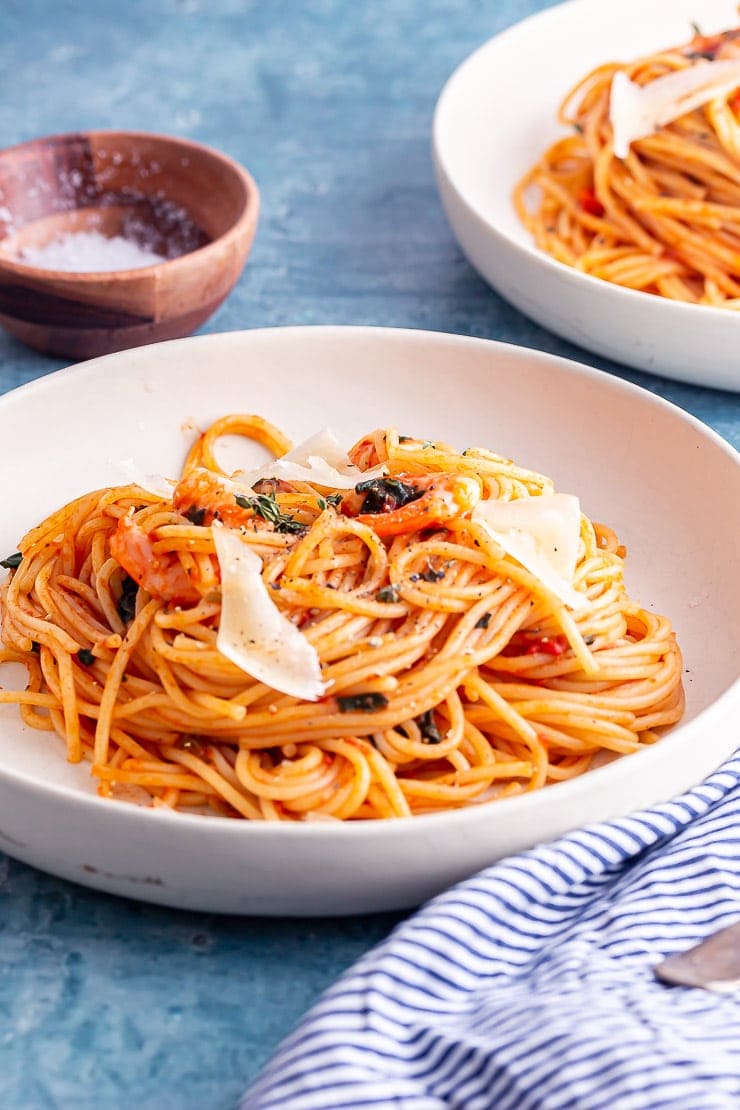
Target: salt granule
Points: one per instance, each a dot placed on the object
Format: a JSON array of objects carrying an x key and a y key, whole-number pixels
[{"x": 83, "y": 252}]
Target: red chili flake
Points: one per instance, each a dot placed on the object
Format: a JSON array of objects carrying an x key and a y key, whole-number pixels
[
  {"x": 524, "y": 643},
  {"x": 549, "y": 645},
  {"x": 590, "y": 203},
  {"x": 734, "y": 102}
]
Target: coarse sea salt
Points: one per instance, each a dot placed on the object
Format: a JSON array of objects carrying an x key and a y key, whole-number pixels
[{"x": 85, "y": 252}]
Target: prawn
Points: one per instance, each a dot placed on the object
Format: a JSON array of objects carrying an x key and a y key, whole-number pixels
[
  {"x": 203, "y": 496},
  {"x": 161, "y": 575},
  {"x": 410, "y": 502}
]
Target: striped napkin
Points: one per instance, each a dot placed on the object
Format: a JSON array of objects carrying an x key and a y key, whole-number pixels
[{"x": 532, "y": 984}]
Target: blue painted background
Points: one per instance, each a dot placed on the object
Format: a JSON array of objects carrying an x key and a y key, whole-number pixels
[{"x": 105, "y": 1002}]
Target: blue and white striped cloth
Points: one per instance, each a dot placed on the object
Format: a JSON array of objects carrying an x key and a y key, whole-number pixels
[{"x": 531, "y": 985}]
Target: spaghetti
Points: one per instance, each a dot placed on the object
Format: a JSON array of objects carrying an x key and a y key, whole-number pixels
[
  {"x": 452, "y": 674},
  {"x": 665, "y": 219}
]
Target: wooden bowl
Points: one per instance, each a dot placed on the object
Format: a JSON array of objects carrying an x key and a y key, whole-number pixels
[{"x": 189, "y": 203}]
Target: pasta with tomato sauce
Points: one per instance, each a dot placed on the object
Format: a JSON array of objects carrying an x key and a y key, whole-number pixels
[
  {"x": 661, "y": 215},
  {"x": 399, "y": 629}
]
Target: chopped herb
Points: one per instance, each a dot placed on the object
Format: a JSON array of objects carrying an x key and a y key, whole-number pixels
[
  {"x": 695, "y": 27},
  {"x": 10, "y": 562},
  {"x": 484, "y": 621},
  {"x": 86, "y": 657},
  {"x": 588, "y": 640},
  {"x": 432, "y": 575},
  {"x": 383, "y": 495},
  {"x": 428, "y": 728},
  {"x": 127, "y": 600},
  {"x": 426, "y": 445},
  {"x": 388, "y": 594},
  {"x": 362, "y": 703},
  {"x": 266, "y": 506},
  {"x": 195, "y": 515},
  {"x": 333, "y": 499}
]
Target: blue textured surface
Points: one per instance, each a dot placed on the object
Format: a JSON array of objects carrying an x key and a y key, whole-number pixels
[{"x": 104, "y": 1002}]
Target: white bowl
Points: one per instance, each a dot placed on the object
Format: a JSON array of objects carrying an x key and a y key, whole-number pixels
[
  {"x": 670, "y": 487},
  {"x": 497, "y": 114}
]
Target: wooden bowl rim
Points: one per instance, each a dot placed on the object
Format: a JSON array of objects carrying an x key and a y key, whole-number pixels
[{"x": 244, "y": 224}]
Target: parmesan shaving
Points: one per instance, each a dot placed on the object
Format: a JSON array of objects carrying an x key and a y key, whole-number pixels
[
  {"x": 253, "y": 633},
  {"x": 541, "y": 533},
  {"x": 320, "y": 460},
  {"x": 637, "y": 111},
  {"x": 152, "y": 483}
]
